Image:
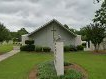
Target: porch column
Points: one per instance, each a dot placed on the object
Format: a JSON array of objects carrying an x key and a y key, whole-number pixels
[{"x": 87, "y": 44}]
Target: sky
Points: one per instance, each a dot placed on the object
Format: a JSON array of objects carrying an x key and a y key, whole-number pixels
[{"x": 31, "y": 14}]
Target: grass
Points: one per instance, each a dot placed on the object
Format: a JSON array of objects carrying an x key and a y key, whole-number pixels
[
  {"x": 4, "y": 48},
  {"x": 94, "y": 64},
  {"x": 19, "y": 65}
]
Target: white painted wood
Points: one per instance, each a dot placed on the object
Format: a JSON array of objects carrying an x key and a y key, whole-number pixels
[
  {"x": 78, "y": 40},
  {"x": 86, "y": 44},
  {"x": 59, "y": 58},
  {"x": 24, "y": 38},
  {"x": 44, "y": 37}
]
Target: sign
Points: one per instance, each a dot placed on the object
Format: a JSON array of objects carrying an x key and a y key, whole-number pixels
[{"x": 59, "y": 57}]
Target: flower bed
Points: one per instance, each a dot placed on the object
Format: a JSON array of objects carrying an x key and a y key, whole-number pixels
[{"x": 47, "y": 71}]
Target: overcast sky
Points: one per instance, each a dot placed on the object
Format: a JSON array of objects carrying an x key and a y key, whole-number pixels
[{"x": 31, "y": 14}]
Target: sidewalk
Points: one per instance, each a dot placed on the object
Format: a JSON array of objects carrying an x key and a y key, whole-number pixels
[{"x": 11, "y": 53}]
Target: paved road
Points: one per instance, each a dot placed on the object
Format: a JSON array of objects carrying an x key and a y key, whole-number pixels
[{"x": 11, "y": 53}]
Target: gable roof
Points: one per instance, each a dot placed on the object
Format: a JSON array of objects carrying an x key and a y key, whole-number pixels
[{"x": 54, "y": 20}]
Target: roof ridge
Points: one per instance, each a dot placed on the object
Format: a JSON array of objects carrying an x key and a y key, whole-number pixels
[{"x": 50, "y": 22}]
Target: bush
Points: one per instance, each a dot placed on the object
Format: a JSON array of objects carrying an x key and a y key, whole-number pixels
[
  {"x": 23, "y": 48},
  {"x": 70, "y": 48},
  {"x": 27, "y": 48},
  {"x": 38, "y": 49},
  {"x": 29, "y": 42},
  {"x": 73, "y": 48},
  {"x": 46, "y": 49},
  {"x": 84, "y": 44},
  {"x": 42, "y": 49},
  {"x": 80, "y": 47},
  {"x": 66, "y": 48},
  {"x": 67, "y": 64}
]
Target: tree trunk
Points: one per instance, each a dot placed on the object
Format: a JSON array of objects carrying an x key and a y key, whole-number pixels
[{"x": 96, "y": 47}]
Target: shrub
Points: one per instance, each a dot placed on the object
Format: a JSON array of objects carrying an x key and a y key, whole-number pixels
[
  {"x": 38, "y": 49},
  {"x": 67, "y": 64},
  {"x": 80, "y": 47},
  {"x": 23, "y": 48},
  {"x": 84, "y": 44},
  {"x": 73, "y": 48},
  {"x": 70, "y": 48},
  {"x": 29, "y": 42},
  {"x": 66, "y": 48},
  {"x": 27, "y": 48},
  {"x": 46, "y": 49}
]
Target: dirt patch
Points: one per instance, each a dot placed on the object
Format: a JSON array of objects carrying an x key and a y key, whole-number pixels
[
  {"x": 78, "y": 68},
  {"x": 33, "y": 74},
  {"x": 1, "y": 53},
  {"x": 99, "y": 52}
]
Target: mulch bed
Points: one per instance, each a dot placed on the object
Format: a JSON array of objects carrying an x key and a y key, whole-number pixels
[
  {"x": 33, "y": 72},
  {"x": 99, "y": 52}
]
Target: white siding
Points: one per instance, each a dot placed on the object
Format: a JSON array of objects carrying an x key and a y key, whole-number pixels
[
  {"x": 44, "y": 37},
  {"x": 24, "y": 38}
]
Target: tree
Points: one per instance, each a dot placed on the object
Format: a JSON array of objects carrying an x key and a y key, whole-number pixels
[
  {"x": 8, "y": 36},
  {"x": 99, "y": 1},
  {"x": 66, "y": 26},
  {"x": 16, "y": 36},
  {"x": 96, "y": 33},
  {"x": 13, "y": 35},
  {"x": 4, "y": 33},
  {"x": 82, "y": 32},
  {"x": 100, "y": 16},
  {"x": 73, "y": 30},
  {"x": 20, "y": 32}
]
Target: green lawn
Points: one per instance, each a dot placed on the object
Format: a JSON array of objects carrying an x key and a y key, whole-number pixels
[
  {"x": 19, "y": 66},
  {"x": 94, "y": 64},
  {"x": 5, "y": 48}
]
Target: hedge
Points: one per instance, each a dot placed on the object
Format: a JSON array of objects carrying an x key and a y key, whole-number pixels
[
  {"x": 84, "y": 44},
  {"x": 38, "y": 49},
  {"x": 73, "y": 48},
  {"x": 42, "y": 49},
  {"x": 27, "y": 48},
  {"x": 66, "y": 48},
  {"x": 46, "y": 49},
  {"x": 29, "y": 42},
  {"x": 80, "y": 47},
  {"x": 70, "y": 48}
]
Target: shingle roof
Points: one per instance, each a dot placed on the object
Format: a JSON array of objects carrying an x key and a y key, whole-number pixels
[{"x": 54, "y": 20}]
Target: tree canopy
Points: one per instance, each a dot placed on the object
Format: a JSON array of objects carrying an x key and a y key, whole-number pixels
[
  {"x": 16, "y": 36},
  {"x": 96, "y": 33},
  {"x": 100, "y": 16},
  {"x": 4, "y": 33}
]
